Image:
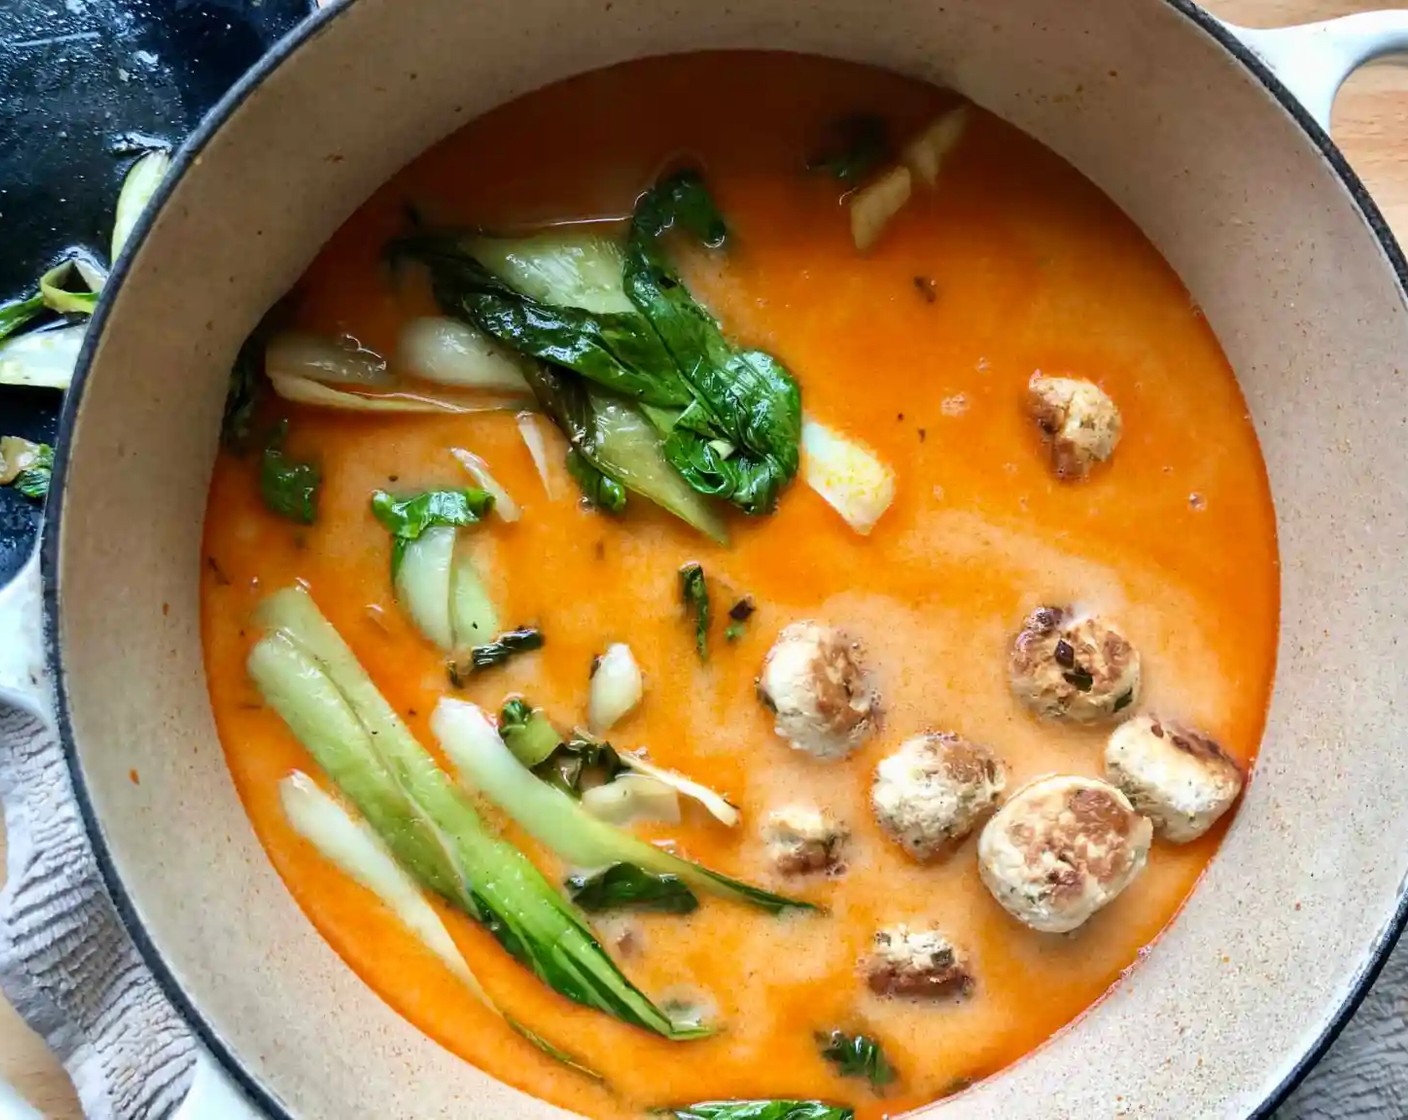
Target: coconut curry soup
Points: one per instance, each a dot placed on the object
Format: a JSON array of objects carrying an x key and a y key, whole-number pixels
[{"x": 739, "y": 584}]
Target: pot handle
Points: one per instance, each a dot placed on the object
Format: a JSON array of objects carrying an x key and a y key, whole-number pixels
[{"x": 1312, "y": 60}]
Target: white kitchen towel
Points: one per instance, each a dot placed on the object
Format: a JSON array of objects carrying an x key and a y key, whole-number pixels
[
  {"x": 69, "y": 967},
  {"x": 66, "y": 962}
]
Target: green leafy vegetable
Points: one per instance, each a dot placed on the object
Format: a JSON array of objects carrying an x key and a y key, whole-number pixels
[
  {"x": 18, "y": 313},
  {"x": 529, "y": 733},
  {"x": 58, "y": 296},
  {"x": 730, "y": 418},
  {"x": 602, "y": 492},
  {"x": 578, "y": 760},
  {"x": 854, "y": 147},
  {"x": 624, "y": 885},
  {"x": 738, "y": 438},
  {"x": 289, "y": 486},
  {"x": 506, "y": 645},
  {"x": 313, "y": 680},
  {"x": 242, "y": 397},
  {"x": 407, "y": 518},
  {"x": 616, "y": 438},
  {"x": 857, "y": 1055},
  {"x": 760, "y": 1110},
  {"x": 557, "y": 821},
  {"x": 27, "y": 466},
  {"x": 695, "y": 594}
]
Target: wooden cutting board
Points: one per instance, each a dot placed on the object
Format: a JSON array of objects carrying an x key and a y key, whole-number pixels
[{"x": 1371, "y": 125}]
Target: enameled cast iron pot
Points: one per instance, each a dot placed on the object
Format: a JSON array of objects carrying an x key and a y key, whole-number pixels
[{"x": 1213, "y": 139}]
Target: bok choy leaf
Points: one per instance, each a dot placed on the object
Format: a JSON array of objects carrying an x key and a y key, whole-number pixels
[
  {"x": 625, "y": 886},
  {"x": 18, "y": 313},
  {"x": 288, "y": 486},
  {"x": 617, "y": 440},
  {"x": 313, "y": 680},
  {"x": 857, "y": 1055},
  {"x": 552, "y": 817},
  {"x": 407, "y": 518}
]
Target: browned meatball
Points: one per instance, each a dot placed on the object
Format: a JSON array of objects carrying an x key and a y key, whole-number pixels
[
  {"x": 934, "y": 790},
  {"x": 1060, "y": 849},
  {"x": 1178, "y": 778},
  {"x": 803, "y": 840},
  {"x": 916, "y": 962},
  {"x": 815, "y": 683},
  {"x": 1074, "y": 667},
  {"x": 1079, "y": 419}
]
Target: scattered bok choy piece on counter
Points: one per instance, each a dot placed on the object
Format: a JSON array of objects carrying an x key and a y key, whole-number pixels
[
  {"x": 434, "y": 576},
  {"x": 617, "y": 440},
  {"x": 27, "y": 466},
  {"x": 313, "y": 680},
  {"x": 58, "y": 290},
  {"x": 509, "y": 644},
  {"x": 729, "y": 418},
  {"x": 488, "y": 767},
  {"x": 138, "y": 186},
  {"x": 449, "y": 352},
  {"x": 288, "y": 486},
  {"x": 42, "y": 359},
  {"x": 719, "y": 807},
  {"x": 857, "y": 1055},
  {"x": 694, "y": 593},
  {"x": 357, "y": 851},
  {"x": 504, "y": 505},
  {"x": 847, "y": 474},
  {"x": 623, "y": 886},
  {"x": 18, "y": 313},
  {"x": 615, "y": 689},
  {"x": 760, "y": 1110},
  {"x": 597, "y": 490}
]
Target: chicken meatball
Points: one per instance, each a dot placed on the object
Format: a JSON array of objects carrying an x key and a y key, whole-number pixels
[
  {"x": 1060, "y": 849},
  {"x": 1179, "y": 779},
  {"x": 814, "y": 683},
  {"x": 1075, "y": 667},
  {"x": 916, "y": 962},
  {"x": 1080, "y": 420},
  {"x": 934, "y": 791},
  {"x": 803, "y": 839}
]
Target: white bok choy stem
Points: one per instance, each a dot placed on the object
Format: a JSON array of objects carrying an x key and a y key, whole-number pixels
[
  {"x": 555, "y": 820},
  {"x": 616, "y": 688},
  {"x": 355, "y": 849},
  {"x": 537, "y": 448},
  {"x": 722, "y": 810},
  {"x": 42, "y": 359},
  {"x": 319, "y": 357},
  {"x": 847, "y": 474},
  {"x": 630, "y": 798},
  {"x": 478, "y": 469},
  {"x": 926, "y": 152},
  {"x": 304, "y": 390},
  {"x": 448, "y": 352},
  {"x": 422, "y": 583}
]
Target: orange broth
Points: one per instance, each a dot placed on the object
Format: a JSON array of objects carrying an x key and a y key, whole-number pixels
[{"x": 1031, "y": 268}]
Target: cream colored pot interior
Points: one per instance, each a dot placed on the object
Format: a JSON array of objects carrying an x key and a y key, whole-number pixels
[{"x": 1135, "y": 94}]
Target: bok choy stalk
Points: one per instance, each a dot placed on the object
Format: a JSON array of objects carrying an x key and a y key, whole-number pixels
[
  {"x": 435, "y": 578},
  {"x": 138, "y": 186},
  {"x": 486, "y": 765},
  {"x": 760, "y": 1110},
  {"x": 598, "y": 490},
  {"x": 357, "y": 851},
  {"x": 618, "y": 441},
  {"x": 313, "y": 680}
]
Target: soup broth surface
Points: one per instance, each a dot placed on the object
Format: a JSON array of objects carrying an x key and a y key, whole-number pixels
[{"x": 921, "y": 349}]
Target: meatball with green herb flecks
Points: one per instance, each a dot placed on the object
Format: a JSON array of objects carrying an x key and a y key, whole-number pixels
[
  {"x": 815, "y": 683},
  {"x": 916, "y": 962},
  {"x": 1073, "y": 667},
  {"x": 1079, "y": 419},
  {"x": 934, "y": 790},
  {"x": 1179, "y": 779}
]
